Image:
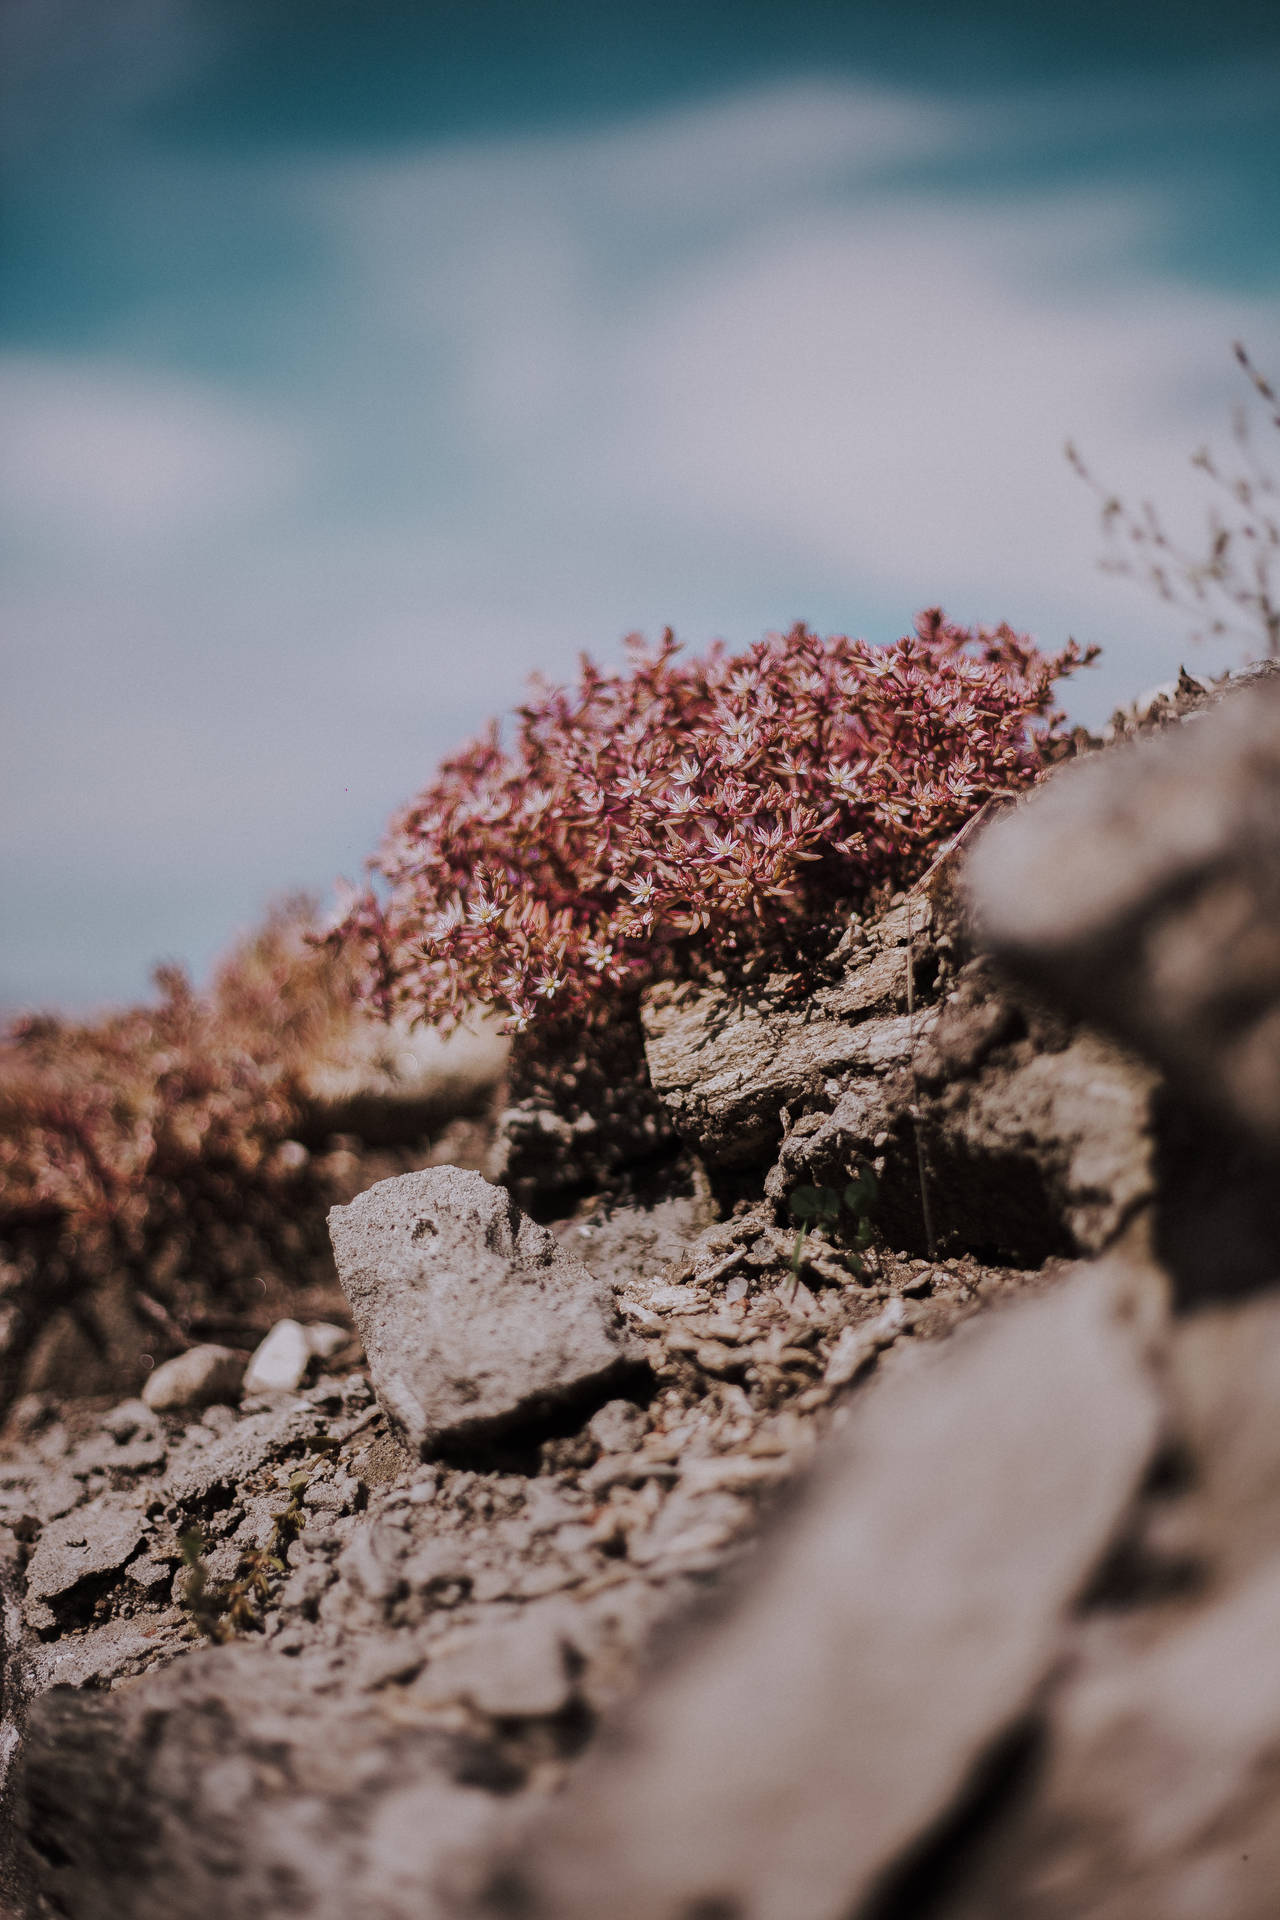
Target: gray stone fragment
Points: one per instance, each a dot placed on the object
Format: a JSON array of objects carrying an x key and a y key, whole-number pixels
[
  {"x": 1143, "y": 887},
  {"x": 107, "y": 1653},
  {"x": 514, "y": 1667},
  {"x": 472, "y": 1317},
  {"x": 726, "y": 1062},
  {"x": 859, "y": 1344},
  {"x": 94, "y": 1539},
  {"x": 899, "y": 1626},
  {"x": 128, "y": 1418},
  {"x": 324, "y": 1339},
  {"x": 1081, "y": 1117},
  {"x": 56, "y": 1493},
  {"x": 617, "y": 1426},
  {"x": 195, "y": 1378}
]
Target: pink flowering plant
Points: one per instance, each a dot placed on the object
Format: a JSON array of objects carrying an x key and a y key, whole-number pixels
[
  {"x": 102, "y": 1122},
  {"x": 688, "y": 812}
]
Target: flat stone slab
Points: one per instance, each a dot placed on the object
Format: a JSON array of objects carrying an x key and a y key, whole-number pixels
[
  {"x": 92, "y": 1540},
  {"x": 473, "y": 1318}
]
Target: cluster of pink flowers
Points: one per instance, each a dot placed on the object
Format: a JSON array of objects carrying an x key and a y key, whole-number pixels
[{"x": 693, "y": 807}]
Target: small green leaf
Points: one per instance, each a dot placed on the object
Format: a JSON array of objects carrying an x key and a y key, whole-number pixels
[
  {"x": 808, "y": 1203},
  {"x": 861, "y": 1191}
]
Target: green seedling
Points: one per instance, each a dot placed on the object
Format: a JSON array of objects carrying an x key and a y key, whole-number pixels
[
  {"x": 202, "y": 1602},
  {"x": 816, "y": 1207},
  {"x": 219, "y": 1613}
]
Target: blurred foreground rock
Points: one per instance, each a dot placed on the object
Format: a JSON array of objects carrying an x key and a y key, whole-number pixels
[
  {"x": 1143, "y": 889},
  {"x": 903, "y": 1622}
]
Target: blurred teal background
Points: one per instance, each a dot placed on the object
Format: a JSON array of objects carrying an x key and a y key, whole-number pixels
[{"x": 357, "y": 360}]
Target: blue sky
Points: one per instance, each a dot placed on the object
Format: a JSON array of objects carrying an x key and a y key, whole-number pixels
[{"x": 357, "y": 361}]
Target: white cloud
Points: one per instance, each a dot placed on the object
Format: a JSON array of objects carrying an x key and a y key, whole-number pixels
[
  {"x": 97, "y": 453},
  {"x": 888, "y": 393},
  {"x": 738, "y": 157},
  {"x": 708, "y": 368},
  {"x": 871, "y": 385}
]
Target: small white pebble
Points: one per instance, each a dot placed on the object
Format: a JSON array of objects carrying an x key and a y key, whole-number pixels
[{"x": 280, "y": 1362}]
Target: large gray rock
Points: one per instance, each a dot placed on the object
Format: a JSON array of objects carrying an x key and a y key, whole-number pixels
[
  {"x": 1143, "y": 888},
  {"x": 1155, "y": 1793},
  {"x": 898, "y": 1628},
  {"x": 473, "y": 1318}
]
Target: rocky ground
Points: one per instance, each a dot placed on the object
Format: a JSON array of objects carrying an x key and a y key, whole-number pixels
[{"x": 653, "y": 1557}]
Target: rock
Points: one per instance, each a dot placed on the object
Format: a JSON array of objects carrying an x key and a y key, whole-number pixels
[
  {"x": 1142, "y": 886},
  {"x": 1157, "y": 1796},
  {"x": 899, "y": 1625},
  {"x": 726, "y": 1066},
  {"x": 1224, "y": 1383},
  {"x": 617, "y": 1426},
  {"x": 227, "y": 1460},
  {"x": 1152, "y": 1794},
  {"x": 324, "y": 1339},
  {"x": 1034, "y": 1142},
  {"x": 858, "y": 1345},
  {"x": 280, "y": 1362},
  {"x": 130, "y": 1417},
  {"x": 1044, "y": 1153},
  {"x": 472, "y": 1317},
  {"x": 513, "y": 1668},
  {"x": 195, "y": 1378},
  {"x": 85, "y": 1544},
  {"x": 234, "y": 1782},
  {"x": 727, "y": 1062}
]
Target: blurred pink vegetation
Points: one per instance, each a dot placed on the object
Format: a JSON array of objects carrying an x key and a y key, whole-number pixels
[
  {"x": 103, "y": 1120},
  {"x": 694, "y": 811}
]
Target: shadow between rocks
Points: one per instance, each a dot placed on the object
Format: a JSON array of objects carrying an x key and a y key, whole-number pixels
[
  {"x": 548, "y": 1435},
  {"x": 1003, "y": 1780}
]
